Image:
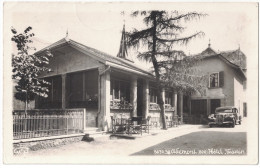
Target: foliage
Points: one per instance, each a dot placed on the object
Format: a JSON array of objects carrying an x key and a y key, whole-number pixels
[
  {"x": 184, "y": 75},
  {"x": 162, "y": 31},
  {"x": 124, "y": 104},
  {"x": 26, "y": 68}
]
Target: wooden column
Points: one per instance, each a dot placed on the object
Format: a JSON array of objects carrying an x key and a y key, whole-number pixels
[
  {"x": 175, "y": 104},
  {"x": 133, "y": 96},
  {"x": 180, "y": 104},
  {"x": 85, "y": 120},
  {"x": 145, "y": 98},
  {"x": 84, "y": 86},
  {"x": 163, "y": 95},
  {"x": 104, "y": 103},
  {"x": 63, "y": 88},
  {"x": 163, "y": 98}
]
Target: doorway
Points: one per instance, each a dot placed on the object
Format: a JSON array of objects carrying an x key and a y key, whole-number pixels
[
  {"x": 214, "y": 103},
  {"x": 199, "y": 107}
]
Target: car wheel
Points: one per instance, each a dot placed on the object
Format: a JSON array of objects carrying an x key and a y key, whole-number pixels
[{"x": 233, "y": 124}]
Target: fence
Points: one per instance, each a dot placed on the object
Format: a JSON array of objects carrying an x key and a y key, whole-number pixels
[{"x": 51, "y": 122}]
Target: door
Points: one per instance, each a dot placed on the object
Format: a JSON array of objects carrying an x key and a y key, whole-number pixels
[
  {"x": 198, "y": 110},
  {"x": 214, "y": 103},
  {"x": 199, "y": 107}
]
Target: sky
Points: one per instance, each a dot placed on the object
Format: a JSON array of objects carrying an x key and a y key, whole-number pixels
[{"x": 99, "y": 25}]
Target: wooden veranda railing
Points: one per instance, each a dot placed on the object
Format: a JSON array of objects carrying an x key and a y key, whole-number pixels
[{"x": 47, "y": 122}]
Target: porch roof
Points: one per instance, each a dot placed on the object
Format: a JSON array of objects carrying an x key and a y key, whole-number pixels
[{"x": 98, "y": 55}]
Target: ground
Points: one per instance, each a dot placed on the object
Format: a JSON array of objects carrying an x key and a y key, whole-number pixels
[
  {"x": 192, "y": 139},
  {"x": 202, "y": 142}
]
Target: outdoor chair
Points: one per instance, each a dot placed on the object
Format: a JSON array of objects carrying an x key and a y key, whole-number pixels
[
  {"x": 175, "y": 121},
  {"x": 154, "y": 121},
  {"x": 119, "y": 125},
  {"x": 169, "y": 121},
  {"x": 138, "y": 125},
  {"x": 180, "y": 120}
]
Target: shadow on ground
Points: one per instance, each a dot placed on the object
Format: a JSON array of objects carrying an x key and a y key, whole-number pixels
[
  {"x": 203, "y": 126},
  {"x": 211, "y": 142},
  {"x": 207, "y": 126}
]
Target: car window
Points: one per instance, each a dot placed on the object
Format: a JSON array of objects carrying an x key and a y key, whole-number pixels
[{"x": 224, "y": 111}]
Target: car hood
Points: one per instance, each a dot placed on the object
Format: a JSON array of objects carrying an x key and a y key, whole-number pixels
[{"x": 224, "y": 113}]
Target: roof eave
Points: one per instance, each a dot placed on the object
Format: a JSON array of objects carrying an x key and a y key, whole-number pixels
[
  {"x": 74, "y": 45},
  {"x": 128, "y": 69},
  {"x": 79, "y": 48},
  {"x": 50, "y": 47},
  {"x": 229, "y": 63}
]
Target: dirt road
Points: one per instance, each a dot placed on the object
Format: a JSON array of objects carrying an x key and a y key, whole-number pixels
[{"x": 185, "y": 137}]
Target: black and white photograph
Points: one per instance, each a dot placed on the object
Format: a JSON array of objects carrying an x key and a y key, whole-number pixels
[{"x": 130, "y": 82}]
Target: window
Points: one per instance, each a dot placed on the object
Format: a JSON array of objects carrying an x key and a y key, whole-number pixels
[
  {"x": 57, "y": 92},
  {"x": 76, "y": 87},
  {"x": 116, "y": 90},
  {"x": 245, "y": 109},
  {"x": 214, "y": 80},
  {"x": 82, "y": 89},
  {"x": 244, "y": 85},
  {"x": 91, "y": 86},
  {"x": 153, "y": 97},
  {"x": 119, "y": 89},
  {"x": 168, "y": 98},
  {"x": 54, "y": 95}
]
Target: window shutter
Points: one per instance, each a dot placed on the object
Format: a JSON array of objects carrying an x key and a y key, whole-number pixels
[{"x": 221, "y": 79}]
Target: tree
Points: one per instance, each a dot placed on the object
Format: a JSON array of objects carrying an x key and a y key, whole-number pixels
[
  {"x": 184, "y": 75},
  {"x": 26, "y": 68},
  {"x": 162, "y": 32}
]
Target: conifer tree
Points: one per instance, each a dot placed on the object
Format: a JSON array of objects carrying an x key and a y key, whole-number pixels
[{"x": 162, "y": 33}]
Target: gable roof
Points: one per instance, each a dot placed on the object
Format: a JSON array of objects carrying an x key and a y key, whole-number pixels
[
  {"x": 98, "y": 55},
  {"x": 232, "y": 65},
  {"x": 236, "y": 57},
  {"x": 208, "y": 51}
]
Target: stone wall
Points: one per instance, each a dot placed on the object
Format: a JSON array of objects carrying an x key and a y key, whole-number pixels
[
  {"x": 25, "y": 147},
  {"x": 118, "y": 113}
]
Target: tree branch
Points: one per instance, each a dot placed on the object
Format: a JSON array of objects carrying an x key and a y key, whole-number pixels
[
  {"x": 183, "y": 40},
  {"x": 187, "y": 16},
  {"x": 135, "y": 36}
]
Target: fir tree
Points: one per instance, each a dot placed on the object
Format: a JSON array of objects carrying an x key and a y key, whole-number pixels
[{"x": 162, "y": 32}]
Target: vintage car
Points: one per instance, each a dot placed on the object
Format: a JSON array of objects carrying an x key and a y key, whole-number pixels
[{"x": 225, "y": 116}]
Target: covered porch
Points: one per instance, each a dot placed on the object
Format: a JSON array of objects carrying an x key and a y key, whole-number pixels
[
  {"x": 106, "y": 92},
  {"x": 83, "y": 77}
]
